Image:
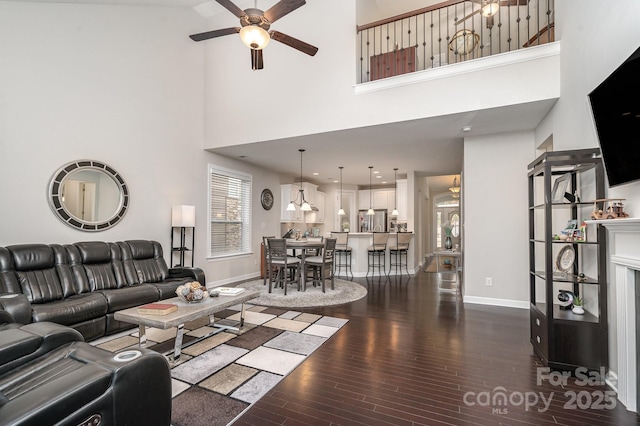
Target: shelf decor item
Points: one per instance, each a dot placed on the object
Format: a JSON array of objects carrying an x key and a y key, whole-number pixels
[{"x": 578, "y": 304}]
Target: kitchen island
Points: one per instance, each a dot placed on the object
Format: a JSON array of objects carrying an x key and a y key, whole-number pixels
[{"x": 359, "y": 241}]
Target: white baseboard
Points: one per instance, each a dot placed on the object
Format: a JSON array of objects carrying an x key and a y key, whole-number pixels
[
  {"x": 233, "y": 280},
  {"x": 507, "y": 303}
]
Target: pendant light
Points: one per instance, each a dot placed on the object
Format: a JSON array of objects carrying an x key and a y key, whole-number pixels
[
  {"x": 455, "y": 189},
  {"x": 304, "y": 205},
  {"x": 395, "y": 205},
  {"x": 370, "y": 212},
  {"x": 341, "y": 210},
  {"x": 489, "y": 8}
]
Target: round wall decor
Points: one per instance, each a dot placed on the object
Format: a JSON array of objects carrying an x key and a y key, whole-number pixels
[{"x": 266, "y": 199}]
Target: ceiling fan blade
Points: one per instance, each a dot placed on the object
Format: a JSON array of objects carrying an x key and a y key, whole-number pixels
[
  {"x": 467, "y": 17},
  {"x": 282, "y": 8},
  {"x": 294, "y": 42},
  {"x": 231, "y": 8},
  {"x": 256, "y": 59},
  {"x": 215, "y": 33}
]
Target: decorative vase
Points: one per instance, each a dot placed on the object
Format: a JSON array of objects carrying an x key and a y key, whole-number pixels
[
  {"x": 578, "y": 310},
  {"x": 447, "y": 243}
]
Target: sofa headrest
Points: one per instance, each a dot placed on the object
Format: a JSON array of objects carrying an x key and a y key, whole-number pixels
[
  {"x": 94, "y": 252},
  {"x": 30, "y": 257},
  {"x": 142, "y": 249}
]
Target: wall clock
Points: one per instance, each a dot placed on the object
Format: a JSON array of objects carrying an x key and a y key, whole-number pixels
[{"x": 266, "y": 199}]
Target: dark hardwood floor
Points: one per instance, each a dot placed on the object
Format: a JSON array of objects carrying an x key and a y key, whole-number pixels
[{"x": 412, "y": 354}]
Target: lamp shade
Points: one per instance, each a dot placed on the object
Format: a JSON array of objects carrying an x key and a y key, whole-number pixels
[
  {"x": 254, "y": 37},
  {"x": 183, "y": 216}
]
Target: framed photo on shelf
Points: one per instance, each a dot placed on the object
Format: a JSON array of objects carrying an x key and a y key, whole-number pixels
[{"x": 560, "y": 188}]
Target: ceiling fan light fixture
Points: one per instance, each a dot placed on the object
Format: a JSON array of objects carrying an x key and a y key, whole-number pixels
[
  {"x": 254, "y": 37},
  {"x": 489, "y": 8}
]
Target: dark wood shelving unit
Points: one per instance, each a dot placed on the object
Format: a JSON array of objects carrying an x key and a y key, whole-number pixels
[{"x": 561, "y": 338}]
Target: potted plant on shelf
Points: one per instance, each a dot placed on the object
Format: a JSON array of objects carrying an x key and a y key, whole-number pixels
[
  {"x": 345, "y": 226},
  {"x": 578, "y": 305}
]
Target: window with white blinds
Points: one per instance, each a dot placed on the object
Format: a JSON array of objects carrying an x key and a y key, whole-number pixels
[{"x": 229, "y": 212}]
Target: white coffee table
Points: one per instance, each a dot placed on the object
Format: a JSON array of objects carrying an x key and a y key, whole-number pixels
[{"x": 186, "y": 312}]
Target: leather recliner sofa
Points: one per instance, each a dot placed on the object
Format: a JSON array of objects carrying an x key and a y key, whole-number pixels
[
  {"x": 82, "y": 285},
  {"x": 49, "y": 375}
]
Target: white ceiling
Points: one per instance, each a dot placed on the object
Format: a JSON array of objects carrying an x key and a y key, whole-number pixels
[{"x": 431, "y": 147}]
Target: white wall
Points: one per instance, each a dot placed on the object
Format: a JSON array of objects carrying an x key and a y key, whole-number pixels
[
  {"x": 316, "y": 94},
  {"x": 122, "y": 85},
  {"x": 496, "y": 218}
]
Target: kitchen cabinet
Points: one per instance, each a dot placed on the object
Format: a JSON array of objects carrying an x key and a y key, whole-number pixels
[
  {"x": 380, "y": 199},
  {"x": 289, "y": 192},
  {"x": 402, "y": 200},
  {"x": 567, "y": 257},
  {"x": 317, "y": 216}
]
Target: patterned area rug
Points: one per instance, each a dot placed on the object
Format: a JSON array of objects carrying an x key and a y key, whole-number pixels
[
  {"x": 217, "y": 378},
  {"x": 344, "y": 292}
]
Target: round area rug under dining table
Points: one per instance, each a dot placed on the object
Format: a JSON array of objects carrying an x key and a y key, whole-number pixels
[{"x": 344, "y": 292}]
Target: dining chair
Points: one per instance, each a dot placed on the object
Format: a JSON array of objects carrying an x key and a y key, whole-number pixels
[
  {"x": 265, "y": 258},
  {"x": 322, "y": 265},
  {"x": 286, "y": 269},
  {"x": 376, "y": 253},
  {"x": 309, "y": 252},
  {"x": 397, "y": 252},
  {"x": 343, "y": 253}
]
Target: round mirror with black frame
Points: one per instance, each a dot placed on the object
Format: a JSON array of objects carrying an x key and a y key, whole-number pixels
[{"x": 88, "y": 195}]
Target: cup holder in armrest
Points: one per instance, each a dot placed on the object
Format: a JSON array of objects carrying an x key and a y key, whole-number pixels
[{"x": 127, "y": 356}]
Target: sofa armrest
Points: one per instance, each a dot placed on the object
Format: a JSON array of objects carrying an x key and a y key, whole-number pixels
[
  {"x": 17, "y": 305},
  {"x": 186, "y": 272},
  {"x": 141, "y": 383},
  {"x": 22, "y": 343}
]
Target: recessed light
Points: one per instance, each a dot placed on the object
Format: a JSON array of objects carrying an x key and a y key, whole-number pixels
[
  {"x": 379, "y": 177},
  {"x": 466, "y": 129},
  {"x": 316, "y": 173}
]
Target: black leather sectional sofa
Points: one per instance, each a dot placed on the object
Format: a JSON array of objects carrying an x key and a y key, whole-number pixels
[
  {"x": 82, "y": 285},
  {"x": 49, "y": 375}
]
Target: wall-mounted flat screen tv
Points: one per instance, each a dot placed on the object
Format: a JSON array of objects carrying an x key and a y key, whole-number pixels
[{"x": 615, "y": 105}]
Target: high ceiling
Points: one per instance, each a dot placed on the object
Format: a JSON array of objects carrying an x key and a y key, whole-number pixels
[{"x": 431, "y": 147}]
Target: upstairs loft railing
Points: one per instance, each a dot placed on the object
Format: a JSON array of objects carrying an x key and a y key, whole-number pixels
[{"x": 450, "y": 32}]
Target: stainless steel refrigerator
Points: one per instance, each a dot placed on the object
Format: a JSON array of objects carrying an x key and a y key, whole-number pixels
[{"x": 376, "y": 222}]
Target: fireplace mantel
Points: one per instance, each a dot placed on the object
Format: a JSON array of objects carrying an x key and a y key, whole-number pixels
[{"x": 626, "y": 225}]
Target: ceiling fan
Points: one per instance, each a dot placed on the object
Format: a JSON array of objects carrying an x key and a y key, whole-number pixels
[
  {"x": 254, "y": 30},
  {"x": 488, "y": 8}
]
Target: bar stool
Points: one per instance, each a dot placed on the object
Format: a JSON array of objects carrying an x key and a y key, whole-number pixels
[
  {"x": 376, "y": 253},
  {"x": 343, "y": 253},
  {"x": 398, "y": 251}
]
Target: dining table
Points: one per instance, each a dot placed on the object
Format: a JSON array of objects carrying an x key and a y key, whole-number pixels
[{"x": 303, "y": 245}]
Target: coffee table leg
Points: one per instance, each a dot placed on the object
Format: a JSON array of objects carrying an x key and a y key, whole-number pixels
[
  {"x": 177, "y": 348},
  {"x": 142, "y": 337}
]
